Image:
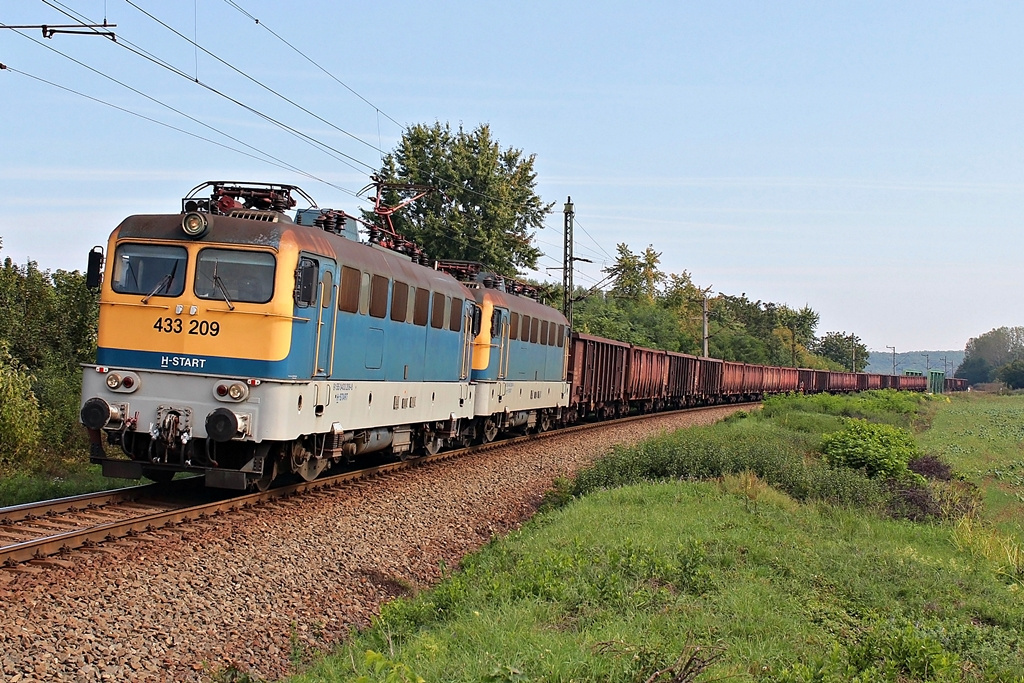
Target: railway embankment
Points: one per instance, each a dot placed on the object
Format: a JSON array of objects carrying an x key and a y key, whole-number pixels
[
  {"x": 261, "y": 591},
  {"x": 756, "y": 549}
]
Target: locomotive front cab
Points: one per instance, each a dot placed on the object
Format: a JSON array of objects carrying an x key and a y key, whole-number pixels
[
  {"x": 519, "y": 359},
  {"x": 196, "y": 313}
]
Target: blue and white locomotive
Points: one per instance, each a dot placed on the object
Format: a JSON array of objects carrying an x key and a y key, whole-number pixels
[{"x": 241, "y": 343}]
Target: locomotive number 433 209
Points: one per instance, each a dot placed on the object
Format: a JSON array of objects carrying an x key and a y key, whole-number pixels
[{"x": 179, "y": 326}]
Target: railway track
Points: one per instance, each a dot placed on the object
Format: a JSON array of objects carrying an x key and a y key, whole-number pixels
[{"x": 35, "y": 532}]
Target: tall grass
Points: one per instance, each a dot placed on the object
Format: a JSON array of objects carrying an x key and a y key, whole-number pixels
[{"x": 781, "y": 457}]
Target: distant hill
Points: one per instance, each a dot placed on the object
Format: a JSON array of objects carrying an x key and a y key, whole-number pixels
[{"x": 881, "y": 361}]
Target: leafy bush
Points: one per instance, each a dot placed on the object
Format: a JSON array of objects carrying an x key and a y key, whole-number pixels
[
  {"x": 881, "y": 450},
  {"x": 19, "y": 411}
]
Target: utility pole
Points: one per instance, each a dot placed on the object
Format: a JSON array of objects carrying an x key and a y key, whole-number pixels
[
  {"x": 567, "y": 261},
  {"x": 927, "y": 365},
  {"x": 853, "y": 347},
  {"x": 893, "y": 357},
  {"x": 705, "y": 335},
  {"x": 944, "y": 368}
]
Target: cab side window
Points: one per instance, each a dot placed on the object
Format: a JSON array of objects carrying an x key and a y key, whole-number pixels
[
  {"x": 399, "y": 301},
  {"x": 379, "y": 296},
  {"x": 455, "y": 320},
  {"x": 437, "y": 312},
  {"x": 348, "y": 297},
  {"x": 421, "y": 307}
]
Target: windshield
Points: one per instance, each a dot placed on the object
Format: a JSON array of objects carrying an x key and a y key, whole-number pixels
[
  {"x": 149, "y": 270},
  {"x": 235, "y": 275}
]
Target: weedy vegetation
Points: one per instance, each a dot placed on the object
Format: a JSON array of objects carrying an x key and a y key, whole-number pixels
[{"x": 749, "y": 550}]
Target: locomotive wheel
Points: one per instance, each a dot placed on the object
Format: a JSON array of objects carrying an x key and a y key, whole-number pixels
[
  {"x": 432, "y": 444},
  {"x": 263, "y": 482},
  {"x": 544, "y": 423},
  {"x": 305, "y": 464},
  {"x": 490, "y": 430}
]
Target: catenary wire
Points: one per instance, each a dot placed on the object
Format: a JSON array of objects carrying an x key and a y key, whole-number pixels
[
  {"x": 310, "y": 140},
  {"x": 135, "y": 49},
  {"x": 309, "y": 59},
  {"x": 255, "y": 80},
  {"x": 576, "y": 223},
  {"x": 265, "y": 156},
  {"x": 336, "y": 154},
  {"x": 284, "y": 165}
]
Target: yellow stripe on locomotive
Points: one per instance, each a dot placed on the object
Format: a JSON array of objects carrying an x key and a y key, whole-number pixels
[{"x": 179, "y": 304}]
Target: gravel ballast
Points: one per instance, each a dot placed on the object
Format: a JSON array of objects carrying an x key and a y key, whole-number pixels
[{"x": 261, "y": 589}]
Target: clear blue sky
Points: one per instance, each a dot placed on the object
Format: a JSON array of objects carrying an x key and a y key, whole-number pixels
[{"x": 865, "y": 158}]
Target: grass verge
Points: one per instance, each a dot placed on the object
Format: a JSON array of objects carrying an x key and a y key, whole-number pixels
[{"x": 727, "y": 551}]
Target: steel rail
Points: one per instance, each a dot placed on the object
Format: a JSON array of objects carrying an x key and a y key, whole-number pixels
[
  {"x": 84, "y": 501},
  {"x": 66, "y": 541}
]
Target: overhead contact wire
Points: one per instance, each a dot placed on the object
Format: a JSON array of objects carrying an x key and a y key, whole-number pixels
[
  {"x": 259, "y": 83},
  {"x": 336, "y": 154},
  {"x": 309, "y": 59},
  {"x": 259, "y": 155}
]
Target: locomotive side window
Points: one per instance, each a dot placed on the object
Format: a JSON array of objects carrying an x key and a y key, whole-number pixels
[
  {"x": 348, "y": 297},
  {"x": 379, "y": 296},
  {"x": 544, "y": 332},
  {"x": 561, "y": 336},
  {"x": 149, "y": 270},
  {"x": 399, "y": 301},
  {"x": 437, "y": 313},
  {"x": 525, "y": 336},
  {"x": 552, "y": 333},
  {"x": 328, "y": 281},
  {"x": 246, "y": 276},
  {"x": 456, "y": 316},
  {"x": 513, "y": 332},
  {"x": 422, "y": 308},
  {"x": 534, "y": 330},
  {"x": 496, "y": 322}
]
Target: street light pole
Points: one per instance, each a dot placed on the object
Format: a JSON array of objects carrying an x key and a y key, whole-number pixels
[{"x": 893, "y": 357}]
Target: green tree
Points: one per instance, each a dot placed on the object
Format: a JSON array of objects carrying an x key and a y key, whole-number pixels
[
  {"x": 637, "y": 322},
  {"x": 992, "y": 350},
  {"x": 636, "y": 277},
  {"x": 48, "y": 328},
  {"x": 975, "y": 369},
  {"x": 846, "y": 350},
  {"x": 796, "y": 331},
  {"x": 685, "y": 301},
  {"x": 1012, "y": 374},
  {"x": 486, "y": 206}
]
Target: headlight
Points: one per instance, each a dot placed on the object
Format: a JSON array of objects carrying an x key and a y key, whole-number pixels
[
  {"x": 194, "y": 224},
  {"x": 234, "y": 391},
  {"x": 123, "y": 382}
]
